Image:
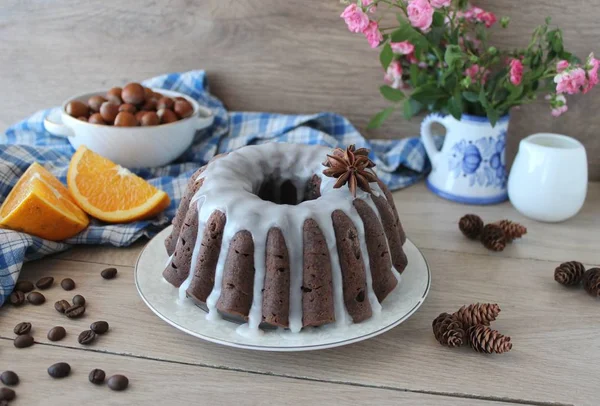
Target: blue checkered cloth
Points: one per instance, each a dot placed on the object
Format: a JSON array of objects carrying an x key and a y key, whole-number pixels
[{"x": 400, "y": 163}]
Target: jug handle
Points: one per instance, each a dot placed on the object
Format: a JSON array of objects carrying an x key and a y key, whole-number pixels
[{"x": 427, "y": 137}]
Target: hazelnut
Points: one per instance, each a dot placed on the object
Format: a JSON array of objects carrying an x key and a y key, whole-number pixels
[
  {"x": 109, "y": 111},
  {"x": 130, "y": 108},
  {"x": 77, "y": 109},
  {"x": 139, "y": 115},
  {"x": 165, "y": 103},
  {"x": 96, "y": 118},
  {"x": 125, "y": 119},
  {"x": 166, "y": 116},
  {"x": 114, "y": 95},
  {"x": 150, "y": 118},
  {"x": 133, "y": 93},
  {"x": 148, "y": 94},
  {"x": 95, "y": 102},
  {"x": 183, "y": 108},
  {"x": 82, "y": 118},
  {"x": 157, "y": 95},
  {"x": 150, "y": 105}
]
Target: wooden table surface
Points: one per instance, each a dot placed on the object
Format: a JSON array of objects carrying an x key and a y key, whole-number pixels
[{"x": 555, "y": 330}]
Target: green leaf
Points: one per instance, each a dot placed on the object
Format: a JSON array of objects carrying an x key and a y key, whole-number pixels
[
  {"x": 471, "y": 96},
  {"x": 493, "y": 116},
  {"x": 455, "y": 107},
  {"x": 414, "y": 75},
  {"x": 411, "y": 108},
  {"x": 386, "y": 56},
  {"x": 454, "y": 56},
  {"x": 438, "y": 19},
  {"x": 379, "y": 118},
  {"x": 391, "y": 94},
  {"x": 428, "y": 94}
]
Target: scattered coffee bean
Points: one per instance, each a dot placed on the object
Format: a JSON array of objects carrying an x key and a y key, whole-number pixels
[
  {"x": 45, "y": 282},
  {"x": 3, "y": 402},
  {"x": 86, "y": 337},
  {"x": 59, "y": 370},
  {"x": 57, "y": 333},
  {"x": 67, "y": 284},
  {"x": 61, "y": 306},
  {"x": 7, "y": 394},
  {"x": 75, "y": 311},
  {"x": 118, "y": 382},
  {"x": 23, "y": 341},
  {"x": 24, "y": 286},
  {"x": 22, "y": 328},
  {"x": 109, "y": 273},
  {"x": 17, "y": 298},
  {"x": 9, "y": 378},
  {"x": 79, "y": 300},
  {"x": 36, "y": 298},
  {"x": 99, "y": 327},
  {"x": 97, "y": 376}
]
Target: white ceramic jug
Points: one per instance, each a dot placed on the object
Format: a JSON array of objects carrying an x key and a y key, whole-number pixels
[
  {"x": 548, "y": 180},
  {"x": 470, "y": 168}
]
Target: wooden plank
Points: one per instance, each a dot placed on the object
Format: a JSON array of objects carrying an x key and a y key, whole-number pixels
[
  {"x": 267, "y": 55},
  {"x": 554, "y": 331},
  {"x": 178, "y": 384},
  {"x": 432, "y": 222}
]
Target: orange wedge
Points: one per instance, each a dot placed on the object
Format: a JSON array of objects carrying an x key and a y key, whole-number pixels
[
  {"x": 40, "y": 205},
  {"x": 110, "y": 192}
]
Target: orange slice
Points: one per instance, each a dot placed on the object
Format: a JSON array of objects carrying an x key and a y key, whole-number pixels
[
  {"x": 40, "y": 205},
  {"x": 110, "y": 192}
]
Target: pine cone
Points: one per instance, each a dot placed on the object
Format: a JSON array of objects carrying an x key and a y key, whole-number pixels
[
  {"x": 484, "y": 339},
  {"x": 471, "y": 226},
  {"x": 569, "y": 273},
  {"x": 512, "y": 230},
  {"x": 448, "y": 330},
  {"x": 479, "y": 313},
  {"x": 493, "y": 238},
  {"x": 591, "y": 281}
]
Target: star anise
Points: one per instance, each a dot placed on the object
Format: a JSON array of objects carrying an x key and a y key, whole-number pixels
[{"x": 350, "y": 166}]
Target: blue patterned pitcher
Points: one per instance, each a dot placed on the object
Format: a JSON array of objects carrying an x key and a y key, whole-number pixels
[{"x": 471, "y": 167}]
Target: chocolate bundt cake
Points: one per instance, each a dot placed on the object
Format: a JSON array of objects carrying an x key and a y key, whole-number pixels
[{"x": 268, "y": 233}]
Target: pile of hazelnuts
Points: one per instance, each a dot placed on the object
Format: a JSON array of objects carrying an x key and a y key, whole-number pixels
[{"x": 131, "y": 106}]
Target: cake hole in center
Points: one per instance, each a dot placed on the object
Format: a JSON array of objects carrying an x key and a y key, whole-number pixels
[{"x": 280, "y": 191}]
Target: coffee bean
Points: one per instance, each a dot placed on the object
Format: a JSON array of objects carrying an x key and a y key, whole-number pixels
[
  {"x": 9, "y": 378},
  {"x": 61, "y": 306},
  {"x": 67, "y": 284},
  {"x": 7, "y": 394},
  {"x": 109, "y": 273},
  {"x": 24, "y": 286},
  {"x": 118, "y": 382},
  {"x": 17, "y": 298},
  {"x": 36, "y": 298},
  {"x": 75, "y": 311},
  {"x": 23, "y": 341},
  {"x": 45, "y": 282},
  {"x": 99, "y": 327},
  {"x": 79, "y": 300},
  {"x": 59, "y": 370},
  {"x": 3, "y": 402},
  {"x": 86, "y": 337},
  {"x": 22, "y": 328},
  {"x": 97, "y": 376},
  {"x": 57, "y": 333}
]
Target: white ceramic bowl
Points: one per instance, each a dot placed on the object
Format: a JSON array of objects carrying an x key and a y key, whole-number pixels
[{"x": 131, "y": 147}]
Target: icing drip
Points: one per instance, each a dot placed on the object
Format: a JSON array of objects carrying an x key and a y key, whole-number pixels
[{"x": 231, "y": 185}]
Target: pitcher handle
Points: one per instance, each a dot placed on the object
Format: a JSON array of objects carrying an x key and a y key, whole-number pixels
[{"x": 427, "y": 137}]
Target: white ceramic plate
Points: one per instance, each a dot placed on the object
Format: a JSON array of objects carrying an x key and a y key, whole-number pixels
[{"x": 163, "y": 299}]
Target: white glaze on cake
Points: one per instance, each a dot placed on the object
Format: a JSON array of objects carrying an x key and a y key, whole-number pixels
[{"x": 231, "y": 185}]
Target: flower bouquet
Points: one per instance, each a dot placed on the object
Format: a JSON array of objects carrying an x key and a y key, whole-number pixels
[{"x": 437, "y": 57}]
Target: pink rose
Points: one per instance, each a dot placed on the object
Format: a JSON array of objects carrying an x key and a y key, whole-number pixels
[
  {"x": 402, "y": 48},
  {"x": 488, "y": 18},
  {"x": 373, "y": 34},
  {"x": 516, "y": 72},
  {"x": 562, "y": 65},
  {"x": 477, "y": 73},
  {"x": 420, "y": 14},
  {"x": 559, "y": 110},
  {"x": 592, "y": 67},
  {"x": 479, "y": 15},
  {"x": 355, "y": 18},
  {"x": 440, "y": 3},
  {"x": 393, "y": 75},
  {"x": 365, "y": 3},
  {"x": 571, "y": 81}
]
